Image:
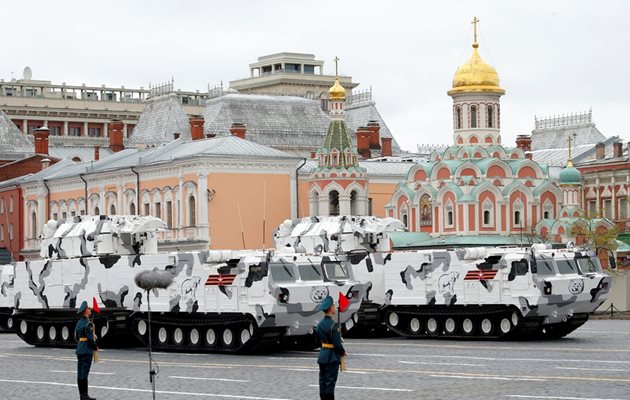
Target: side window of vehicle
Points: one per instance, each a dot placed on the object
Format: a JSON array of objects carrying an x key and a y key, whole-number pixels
[{"x": 519, "y": 268}]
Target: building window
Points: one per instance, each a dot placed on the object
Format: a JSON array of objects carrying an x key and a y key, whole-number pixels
[
  {"x": 132, "y": 208},
  {"x": 449, "y": 218},
  {"x": 623, "y": 208},
  {"x": 169, "y": 214},
  {"x": 55, "y": 130},
  {"x": 192, "y": 212},
  {"x": 94, "y": 132},
  {"x": 10, "y": 231},
  {"x": 158, "y": 210},
  {"x": 1, "y": 232},
  {"x": 473, "y": 116},
  {"x": 517, "y": 218},
  {"x": 33, "y": 224},
  {"x": 64, "y": 215},
  {"x": 458, "y": 118},
  {"x": 333, "y": 203},
  {"x": 112, "y": 210},
  {"x": 74, "y": 131},
  {"x": 370, "y": 206},
  {"x": 1, "y": 206},
  {"x": 486, "y": 217},
  {"x": 592, "y": 208},
  {"x": 147, "y": 209},
  {"x": 490, "y": 117},
  {"x": 11, "y": 204},
  {"x": 546, "y": 215},
  {"x": 607, "y": 208},
  {"x": 82, "y": 211},
  {"x": 73, "y": 213},
  {"x": 97, "y": 211},
  {"x": 55, "y": 216}
]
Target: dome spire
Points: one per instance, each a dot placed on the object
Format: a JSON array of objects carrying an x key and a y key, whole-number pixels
[
  {"x": 337, "y": 92},
  {"x": 570, "y": 159}
]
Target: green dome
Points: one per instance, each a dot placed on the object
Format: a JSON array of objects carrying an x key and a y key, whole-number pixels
[{"x": 570, "y": 175}]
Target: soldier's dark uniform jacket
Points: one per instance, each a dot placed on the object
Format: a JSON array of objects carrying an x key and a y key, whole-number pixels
[
  {"x": 329, "y": 356},
  {"x": 84, "y": 333}
]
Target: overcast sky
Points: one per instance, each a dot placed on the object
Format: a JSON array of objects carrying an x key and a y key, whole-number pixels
[{"x": 553, "y": 57}]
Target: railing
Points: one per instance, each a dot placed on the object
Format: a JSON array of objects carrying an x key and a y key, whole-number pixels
[{"x": 563, "y": 120}]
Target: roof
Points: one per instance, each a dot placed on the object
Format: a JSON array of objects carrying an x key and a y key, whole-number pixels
[
  {"x": 557, "y": 157},
  {"x": 407, "y": 240},
  {"x": 161, "y": 118},
  {"x": 393, "y": 169},
  {"x": 83, "y": 153},
  {"x": 553, "y": 133},
  {"x": 284, "y": 122},
  {"x": 13, "y": 143}
]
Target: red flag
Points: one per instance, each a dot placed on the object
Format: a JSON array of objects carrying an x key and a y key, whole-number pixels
[
  {"x": 95, "y": 306},
  {"x": 343, "y": 302}
]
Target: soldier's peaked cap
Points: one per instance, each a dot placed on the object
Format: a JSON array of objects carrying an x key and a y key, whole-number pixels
[
  {"x": 326, "y": 304},
  {"x": 84, "y": 305}
]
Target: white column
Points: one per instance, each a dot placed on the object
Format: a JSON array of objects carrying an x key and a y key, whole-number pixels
[
  {"x": 466, "y": 223},
  {"x": 101, "y": 205},
  {"x": 25, "y": 126},
  {"x": 119, "y": 201},
  {"x": 180, "y": 202},
  {"x": 344, "y": 204},
  {"x": 65, "y": 131},
  {"x": 105, "y": 129},
  {"x": 42, "y": 205},
  {"x": 85, "y": 129},
  {"x": 324, "y": 207},
  {"x": 202, "y": 206},
  {"x": 362, "y": 207}
]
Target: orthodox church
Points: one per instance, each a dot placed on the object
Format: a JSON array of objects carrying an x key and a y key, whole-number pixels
[{"x": 476, "y": 187}]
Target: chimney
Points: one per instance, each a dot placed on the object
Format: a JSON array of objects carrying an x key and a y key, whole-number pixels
[
  {"x": 524, "y": 142},
  {"x": 196, "y": 127},
  {"x": 363, "y": 142},
  {"x": 600, "y": 151},
  {"x": 238, "y": 130},
  {"x": 97, "y": 153},
  {"x": 41, "y": 140},
  {"x": 116, "y": 129},
  {"x": 386, "y": 147},
  {"x": 375, "y": 133},
  {"x": 176, "y": 135},
  {"x": 45, "y": 163},
  {"x": 617, "y": 149}
]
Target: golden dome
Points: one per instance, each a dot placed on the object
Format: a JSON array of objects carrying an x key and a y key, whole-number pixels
[
  {"x": 476, "y": 75},
  {"x": 337, "y": 92}
]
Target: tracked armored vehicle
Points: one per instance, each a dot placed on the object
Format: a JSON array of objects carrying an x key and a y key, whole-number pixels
[
  {"x": 219, "y": 301},
  {"x": 480, "y": 292},
  {"x": 6, "y": 298}
]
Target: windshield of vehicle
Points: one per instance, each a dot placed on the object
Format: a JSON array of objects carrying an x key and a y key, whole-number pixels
[
  {"x": 544, "y": 266},
  {"x": 282, "y": 272},
  {"x": 336, "y": 271},
  {"x": 310, "y": 272},
  {"x": 566, "y": 266},
  {"x": 588, "y": 265}
]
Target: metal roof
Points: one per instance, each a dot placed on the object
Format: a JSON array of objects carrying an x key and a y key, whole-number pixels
[
  {"x": 13, "y": 143},
  {"x": 161, "y": 118},
  {"x": 398, "y": 169},
  {"x": 83, "y": 153}
]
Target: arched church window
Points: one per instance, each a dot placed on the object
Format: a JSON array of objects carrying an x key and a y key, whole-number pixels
[
  {"x": 517, "y": 218},
  {"x": 132, "y": 208},
  {"x": 473, "y": 116},
  {"x": 449, "y": 218},
  {"x": 546, "y": 215},
  {"x": 192, "y": 212},
  {"x": 490, "y": 117},
  {"x": 354, "y": 203},
  {"x": 333, "y": 203},
  {"x": 486, "y": 217},
  {"x": 34, "y": 224},
  {"x": 458, "y": 118},
  {"x": 97, "y": 211},
  {"x": 112, "y": 210}
]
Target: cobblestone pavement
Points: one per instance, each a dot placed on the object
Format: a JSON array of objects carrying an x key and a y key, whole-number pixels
[{"x": 592, "y": 363}]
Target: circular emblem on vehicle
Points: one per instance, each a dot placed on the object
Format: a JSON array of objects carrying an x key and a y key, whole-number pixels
[
  {"x": 319, "y": 293},
  {"x": 576, "y": 286}
]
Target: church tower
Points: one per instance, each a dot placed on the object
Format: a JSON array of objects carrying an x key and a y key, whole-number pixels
[
  {"x": 571, "y": 185},
  {"x": 476, "y": 106},
  {"x": 338, "y": 185}
]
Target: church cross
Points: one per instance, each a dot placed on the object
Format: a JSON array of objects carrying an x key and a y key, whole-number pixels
[
  {"x": 336, "y": 60},
  {"x": 475, "y": 21}
]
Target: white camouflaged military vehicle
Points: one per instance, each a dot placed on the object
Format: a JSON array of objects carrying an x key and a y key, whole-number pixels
[
  {"x": 219, "y": 301},
  {"x": 478, "y": 292},
  {"x": 6, "y": 298}
]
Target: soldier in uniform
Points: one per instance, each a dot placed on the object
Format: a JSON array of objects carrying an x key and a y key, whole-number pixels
[
  {"x": 86, "y": 344},
  {"x": 331, "y": 350}
]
